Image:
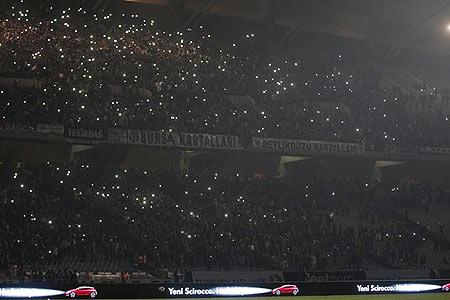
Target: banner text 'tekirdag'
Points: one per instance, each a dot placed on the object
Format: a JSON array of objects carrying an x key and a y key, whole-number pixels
[
  {"x": 185, "y": 140},
  {"x": 86, "y": 136},
  {"x": 303, "y": 146}
]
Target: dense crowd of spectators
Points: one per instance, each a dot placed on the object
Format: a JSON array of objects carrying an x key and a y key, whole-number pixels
[
  {"x": 210, "y": 221},
  {"x": 79, "y": 68},
  {"x": 99, "y": 69}
]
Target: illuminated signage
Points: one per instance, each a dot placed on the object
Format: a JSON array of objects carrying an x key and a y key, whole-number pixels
[
  {"x": 28, "y": 292},
  {"x": 397, "y": 288},
  {"x": 217, "y": 291}
]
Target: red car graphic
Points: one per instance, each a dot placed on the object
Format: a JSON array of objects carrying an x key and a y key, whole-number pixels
[
  {"x": 82, "y": 291},
  {"x": 446, "y": 287},
  {"x": 285, "y": 289}
]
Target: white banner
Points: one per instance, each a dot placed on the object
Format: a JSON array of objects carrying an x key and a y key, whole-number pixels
[
  {"x": 118, "y": 136},
  {"x": 40, "y": 131},
  {"x": 435, "y": 150},
  {"x": 17, "y": 128},
  {"x": 185, "y": 140},
  {"x": 304, "y": 146},
  {"x": 86, "y": 136},
  {"x": 237, "y": 276},
  {"x": 50, "y": 128}
]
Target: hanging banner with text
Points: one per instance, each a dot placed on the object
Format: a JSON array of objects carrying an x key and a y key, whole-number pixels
[
  {"x": 38, "y": 132},
  {"x": 435, "y": 150},
  {"x": 50, "y": 128},
  {"x": 118, "y": 136},
  {"x": 184, "y": 140},
  {"x": 86, "y": 136},
  {"x": 304, "y": 146}
]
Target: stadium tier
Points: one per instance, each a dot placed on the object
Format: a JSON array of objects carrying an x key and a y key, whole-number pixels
[
  {"x": 82, "y": 68},
  {"x": 76, "y": 215},
  {"x": 140, "y": 149}
]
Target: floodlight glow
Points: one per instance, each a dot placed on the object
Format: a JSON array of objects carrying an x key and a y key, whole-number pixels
[
  {"x": 416, "y": 287},
  {"x": 240, "y": 291},
  {"x": 28, "y": 292}
]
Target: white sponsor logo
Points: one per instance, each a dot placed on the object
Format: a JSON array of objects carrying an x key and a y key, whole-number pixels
[
  {"x": 190, "y": 291},
  {"x": 374, "y": 288},
  {"x": 220, "y": 291}
]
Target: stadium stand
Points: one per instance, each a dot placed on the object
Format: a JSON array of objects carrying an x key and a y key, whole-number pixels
[
  {"x": 143, "y": 76},
  {"x": 108, "y": 218},
  {"x": 83, "y": 69}
]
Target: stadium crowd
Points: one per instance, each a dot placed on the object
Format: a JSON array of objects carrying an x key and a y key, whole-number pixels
[
  {"x": 170, "y": 220},
  {"x": 96, "y": 70},
  {"x": 89, "y": 70}
]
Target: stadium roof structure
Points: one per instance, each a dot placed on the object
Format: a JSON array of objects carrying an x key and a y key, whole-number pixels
[{"x": 416, "y": 24}]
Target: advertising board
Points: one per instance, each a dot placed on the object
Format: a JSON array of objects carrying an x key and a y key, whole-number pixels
[{"x": 193, "y": 290}]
